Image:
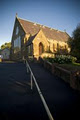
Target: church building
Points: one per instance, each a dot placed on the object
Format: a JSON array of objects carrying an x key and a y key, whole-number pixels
[{"x": 30, "y": 39}]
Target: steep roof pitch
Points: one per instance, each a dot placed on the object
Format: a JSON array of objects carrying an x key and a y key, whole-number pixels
[
  {"x": 5, "y": 49},
  {"x": 0, "y": 51},
  {"x": 33, "y": 28},
  {"x": 31, "y": 39}
]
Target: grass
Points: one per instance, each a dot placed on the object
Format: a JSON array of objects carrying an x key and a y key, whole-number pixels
[
  {"x": 66, "y": 63},
  {"x": 78, "y": 64},
  {"x": 71, "y": 67}
]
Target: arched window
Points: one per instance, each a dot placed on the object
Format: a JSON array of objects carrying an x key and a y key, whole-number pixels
[
  {"x": 57, "y": 46},
  {"x": 17, "y": 30},
  {"x": 65, "y": 47},
  {"x": 54, "y": 47},
  {"x": 41, "y": 48}
]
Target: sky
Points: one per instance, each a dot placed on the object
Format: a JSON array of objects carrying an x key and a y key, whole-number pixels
[{"x": 58, "y": 14}]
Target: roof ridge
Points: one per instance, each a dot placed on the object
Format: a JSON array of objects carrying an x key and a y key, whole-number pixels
[
  {"x": 41, "y": 25},
  {"x": 25, "y": 20},
  {"x": 32, "y": 22},
  {"x": 21, "y": 24}
]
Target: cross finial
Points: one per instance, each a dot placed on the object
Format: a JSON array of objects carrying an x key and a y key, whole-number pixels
[{"x": 16, "y": 14}]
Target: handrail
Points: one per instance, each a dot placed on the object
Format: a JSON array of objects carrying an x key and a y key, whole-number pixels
[
  {"x": 39, "y": 91},
  {"x": 63, "y": 69}
]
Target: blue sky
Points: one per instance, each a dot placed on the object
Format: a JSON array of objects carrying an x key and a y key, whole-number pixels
[{"x": 58, "y": 14}]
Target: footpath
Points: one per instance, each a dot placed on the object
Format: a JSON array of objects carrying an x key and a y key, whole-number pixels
[
  {"x": 62, "y": 100},
  {"x": 17, "y": 100}
]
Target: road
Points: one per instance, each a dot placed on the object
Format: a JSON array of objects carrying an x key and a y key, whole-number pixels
[
  {"x": 62, "y": 100},
  {"x": 17, "y": 100}
]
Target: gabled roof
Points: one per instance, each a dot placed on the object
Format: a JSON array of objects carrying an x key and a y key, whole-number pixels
[
  {"x": 33, "y": 28},
  {"x": 6, "y": 48},
  {"x": 31, "y": 39},
  {"x": 0, "y": 51}
]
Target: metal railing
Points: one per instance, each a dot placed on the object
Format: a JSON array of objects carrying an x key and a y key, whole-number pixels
[{"x": 39, "y": 91}]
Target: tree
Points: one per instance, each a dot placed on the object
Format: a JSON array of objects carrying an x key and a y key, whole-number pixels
[
  {"x": 6, "y": 45},
  {"x": 74, "y": 43}
]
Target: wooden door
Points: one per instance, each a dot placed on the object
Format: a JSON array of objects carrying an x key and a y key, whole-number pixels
[{"x": 40, "y": 48}]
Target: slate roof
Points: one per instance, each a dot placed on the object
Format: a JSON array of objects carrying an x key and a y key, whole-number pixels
[{"x": 33, "y": 28}]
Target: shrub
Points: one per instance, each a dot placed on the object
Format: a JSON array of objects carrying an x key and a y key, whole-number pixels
[
  {"x": 62, "y": 59},
  {"x": 51, "y": 60}
]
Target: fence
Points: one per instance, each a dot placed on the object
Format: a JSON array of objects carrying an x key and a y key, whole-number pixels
[{"x": 39, "y": 91}]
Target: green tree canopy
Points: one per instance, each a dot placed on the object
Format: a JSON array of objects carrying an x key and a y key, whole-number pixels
[
  {"x": 6, "y": 45},
  {"x": 74, "y": 42}
]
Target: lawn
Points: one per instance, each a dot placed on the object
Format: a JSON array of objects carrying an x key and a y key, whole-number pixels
[
  {"x": 71, "y": 67},
  {"x": 65, "y": 61}
]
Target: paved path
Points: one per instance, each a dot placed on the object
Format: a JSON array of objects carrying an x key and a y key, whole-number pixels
[
  {"x": 17, "y": 101},
  {"x": 63, "y": 101}
]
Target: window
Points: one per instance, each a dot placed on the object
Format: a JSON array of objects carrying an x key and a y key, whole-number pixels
[
  {"x": 57, "y": 46},
  {"x": 65, "y": 46},
  {"x": 17, "y": 30},
  {"x": 17, "y": 44},
  {"x": 54, "y": 47}
]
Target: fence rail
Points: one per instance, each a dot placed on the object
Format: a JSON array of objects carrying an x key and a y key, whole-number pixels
[{"x": 39, "y": 91}]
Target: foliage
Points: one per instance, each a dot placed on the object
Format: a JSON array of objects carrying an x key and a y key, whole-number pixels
[
  {"x": 74, "y": 42},
  {"x": 6, "y": 45},
  {"x": 70, "y": 67},
  {"x": 62, "y": 59}
]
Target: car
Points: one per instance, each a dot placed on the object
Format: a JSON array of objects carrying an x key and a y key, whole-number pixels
[{"x": 1, "y": 57}]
